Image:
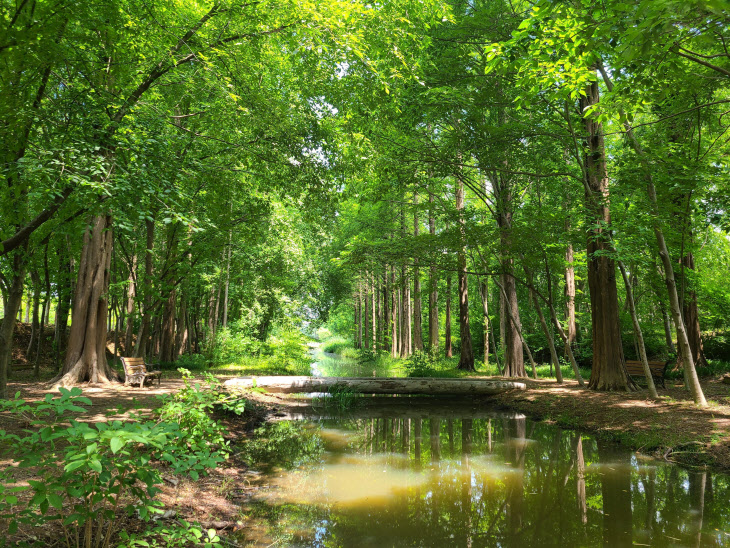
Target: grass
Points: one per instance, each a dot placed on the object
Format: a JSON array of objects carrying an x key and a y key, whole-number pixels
[
  {"x": 265, "y": 365},
  {"x": 340, "y": 346}
]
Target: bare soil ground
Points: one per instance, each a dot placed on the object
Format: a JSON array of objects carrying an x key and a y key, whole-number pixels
[{"x": 671, "y": 427}]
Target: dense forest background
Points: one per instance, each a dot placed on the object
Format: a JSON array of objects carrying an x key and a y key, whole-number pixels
[{"x": 485, "y": 182}]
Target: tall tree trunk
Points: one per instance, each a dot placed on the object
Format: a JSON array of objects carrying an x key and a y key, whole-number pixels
[
  {"x": 466, "y": 357},
  {"x": 514, "y": 359},
  {"x": 379, "y": 330},
  {"x": 484, "y": 292},
  {"x": 515, "y": 325},
  {"x": 417, "y": 325},
  {"x": 637, "y": 332},
  {"x": 373, "y": 302},
  {"x": 65, "y": 292},
  {"x": 358, "y": 341},
  {"x": 167, "y": 336},
  {"x": 366, "y": 314},
  {"x": 44, "y": 315},
  {"x": 129, "y": 311},
  {"x": 36, "y": 302},
  {"x": 609, "y": 370},
  {"x": 691, "y": 316},
  {"x": 405, "y": 345},
  {"x": 228, "y": 280},
  {"x": 210, "y": 335},
  {"x": 448, "y": 350},
  {"x": 183, "y": 327},
  {"x": 667, "y": 321},
  {"x": 549, "y": 337},
  {"x": 394, "y": 347},
  {"x": 86, "y": 353},
  {"x": 144, "y": 333},
  {"x": 433, "y": 295},
  {"x": 570, "y": 295},
  {"x": 7, "y": 325}
]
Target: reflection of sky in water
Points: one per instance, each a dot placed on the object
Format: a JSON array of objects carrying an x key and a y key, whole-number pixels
[{"x": 538, "y": 486}]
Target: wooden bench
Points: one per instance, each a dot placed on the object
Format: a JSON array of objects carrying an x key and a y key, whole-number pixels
[
  {"x": 636, "y": 369},
  {"x": 135, "y": 370}
]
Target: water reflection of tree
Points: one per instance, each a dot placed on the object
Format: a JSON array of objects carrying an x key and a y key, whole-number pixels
[
  {"x": 616, "y": 494},
  {"x": 483, "y": 484},
  {"x": 514, "y": 436}
]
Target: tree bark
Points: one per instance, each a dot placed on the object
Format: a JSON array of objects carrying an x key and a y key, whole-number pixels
[
  {"x": 167, "y": 336},
  {"x": 144, "y": 333},
  {"x": 549, "y": 337},
  {"x": 514, "y": 359},
  {"x": 570, "y": 295},
  {"x": 373, "y": 302},
  {"x": 36, "y": 302},
  {"x": 667, "y": 321},
  {"x": 44, "y": 315},
  {"x": 484, "y": 292},
  {"x": 86, "y": 353},
  {"x": 358, "y": 341},
  {"x": 228, "y": 280},
  {"x": 10, "y": 313},
  {"x": 638, "y": 333},
  {"x": 65, "y": 293},
  {"x": 417, "y": 317},
  {"x": 129, "y": 311},
  {"x": 405, "y": 345},
  {"x": 433, "y": 295},
  {"x": 609, "y": 370},
  {"x": 466, "y": 357},
  {"x": 691, "y": 317},
  {"x": 394, "y": 345},
  {"x": 448, "y": 351}
]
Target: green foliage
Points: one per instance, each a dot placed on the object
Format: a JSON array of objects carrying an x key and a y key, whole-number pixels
[
  {"x": 430, "y": 364},
  {"x": 192, "y": 407},
  {"x": 107, "y": 466},
  {"x": 286, "y": 444},
  {"x": 191, "y": 362},
  {"x": 338, "y": 397},
  {"x": 285, "y": 351},
  {"x": 336, "y": 345},
  {"x": 180, "y": 535},
  {"x": 717, "y": 347}
]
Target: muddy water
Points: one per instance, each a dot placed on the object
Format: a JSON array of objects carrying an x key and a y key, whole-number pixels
[{"x": 428, "y": 472}]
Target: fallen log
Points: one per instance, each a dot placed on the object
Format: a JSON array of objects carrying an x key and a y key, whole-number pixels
[{"x": 368, "y": 385}]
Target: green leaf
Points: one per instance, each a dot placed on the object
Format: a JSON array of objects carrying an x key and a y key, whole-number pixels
[
  {"x": 116, "y": 444},
  {"x": 95, "y": 465},
  {"x": 55, "y": 500}
]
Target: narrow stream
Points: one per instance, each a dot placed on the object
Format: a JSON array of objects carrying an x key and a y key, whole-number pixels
[{"x": 436, "y": 472}]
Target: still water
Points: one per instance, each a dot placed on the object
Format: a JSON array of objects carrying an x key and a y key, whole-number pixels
[{"x": 430, "y": 472}]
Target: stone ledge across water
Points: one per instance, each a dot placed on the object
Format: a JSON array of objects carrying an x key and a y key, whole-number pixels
[{"x": 367, "y": 385}]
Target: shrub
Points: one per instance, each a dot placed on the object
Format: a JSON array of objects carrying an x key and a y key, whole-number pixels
[{"x": 107, "y": 465}]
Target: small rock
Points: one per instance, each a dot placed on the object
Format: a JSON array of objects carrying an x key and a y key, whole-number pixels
[
  {"x": 726, "y": 378},
  {"x": 172, "y": 481}
]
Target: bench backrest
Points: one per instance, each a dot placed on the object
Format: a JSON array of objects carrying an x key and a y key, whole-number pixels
[
  {"x": 134, "y": 365},
  {"x": 635, "y": 367}
]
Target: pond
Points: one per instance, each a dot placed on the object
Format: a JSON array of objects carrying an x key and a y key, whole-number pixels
[
  {"x": 434, "y": 472},
  {"x": 427, "y": 471}
]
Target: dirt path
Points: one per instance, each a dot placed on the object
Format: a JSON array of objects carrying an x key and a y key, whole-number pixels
[{"x": 672, "y": 427}]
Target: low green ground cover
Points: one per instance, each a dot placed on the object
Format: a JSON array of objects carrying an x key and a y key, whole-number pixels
[{"x": 109, "y": 468}]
